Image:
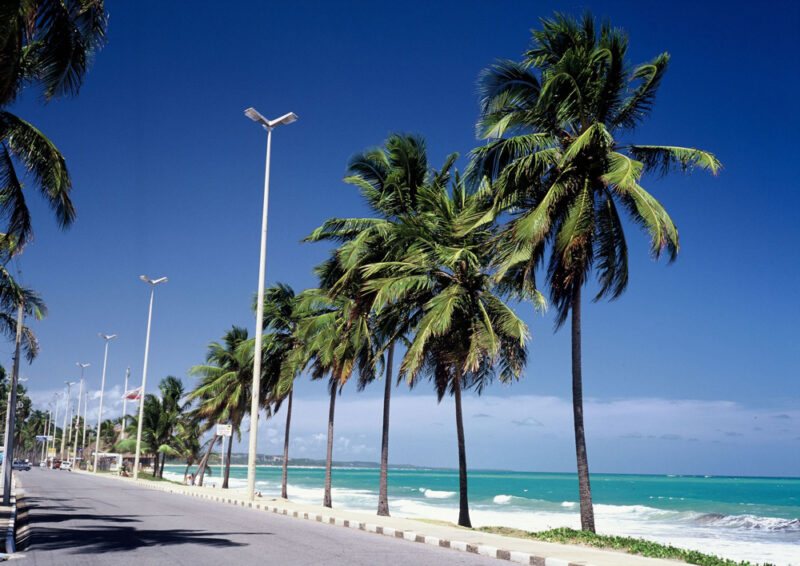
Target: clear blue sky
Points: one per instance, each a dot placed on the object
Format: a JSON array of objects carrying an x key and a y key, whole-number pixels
[{"x": 694, "y": 369}]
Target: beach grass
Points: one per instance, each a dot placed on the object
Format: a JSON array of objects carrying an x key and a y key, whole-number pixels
[{"x": 628, "y": 544}]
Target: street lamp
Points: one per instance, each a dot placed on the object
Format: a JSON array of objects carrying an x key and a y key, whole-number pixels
[
  {"x": 153, "y": 284},
  {"x": 57, "y": 396},
  {"x": 268, "y": 125},
  {"x": 78, "y": 419},
  {"x": 66, "y": 410},
  {"x": 108, "y": 338}
]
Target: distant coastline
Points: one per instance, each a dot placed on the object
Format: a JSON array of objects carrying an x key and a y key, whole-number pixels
[{"x": 239, "y": 460}]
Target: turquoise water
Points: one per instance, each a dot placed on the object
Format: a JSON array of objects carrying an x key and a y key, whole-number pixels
[{"x": 755, "y": 519}]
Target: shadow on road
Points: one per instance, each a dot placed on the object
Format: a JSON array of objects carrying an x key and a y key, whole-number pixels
[
  {"x": 40, "y": 534},
  {"x": 120, "y": 539}
]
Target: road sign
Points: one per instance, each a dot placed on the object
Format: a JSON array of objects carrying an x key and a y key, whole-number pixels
[
  {"x": 43, "y": 438},
  {"x": 224, "y": 430}
]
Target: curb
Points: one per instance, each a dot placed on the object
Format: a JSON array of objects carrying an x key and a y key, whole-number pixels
[
  {"x": 10, "y": 538},
  {"x": 412, "y": 536}
]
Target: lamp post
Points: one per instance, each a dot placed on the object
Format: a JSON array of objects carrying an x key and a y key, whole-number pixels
[
  {"x": 108, "y": 338},
  {"x": 268, "y": 125},
  {"x": 85, "y": 403},
  {"x": 47, "y": 432},
  {"x": 125, "y": 403},
  {"x": 153, "y": 284},
  {"x": 78, "y": 417},
  {"x": 66, "y": 410},
  {"x": 55, "y": 423}
]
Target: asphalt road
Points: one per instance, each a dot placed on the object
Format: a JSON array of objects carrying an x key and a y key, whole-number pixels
[{"x": 80, "y": 520}]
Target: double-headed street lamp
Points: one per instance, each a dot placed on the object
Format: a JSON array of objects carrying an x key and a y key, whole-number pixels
[
  {"x": 153, "y": 283},
  {"x": 108, "y": 338},
  {"x": 268, "y": 125},
  {"x": 78, "y": 417}
]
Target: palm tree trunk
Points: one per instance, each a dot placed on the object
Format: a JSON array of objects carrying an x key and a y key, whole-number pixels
[
  {"x": 383, "y": 490},
  {"x": 463, "y": 503},
  {"x": 186, "y": 471},
  {"x": 584, "y": 488},
  {"x": 285, "y": 475},
  {"x": 201, "y": 469},
  {"x": 161, "y": 469},
  {"x": 329, "y": 458},
  {"x": 228, "y": 463}
]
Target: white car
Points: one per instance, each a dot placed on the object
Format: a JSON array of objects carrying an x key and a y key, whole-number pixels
[{"x": 65, "y": 465}]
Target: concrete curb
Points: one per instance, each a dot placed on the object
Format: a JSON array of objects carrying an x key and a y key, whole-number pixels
[
  {"x": 412, "y": 536},
  {"x": 9, "y": 539}
]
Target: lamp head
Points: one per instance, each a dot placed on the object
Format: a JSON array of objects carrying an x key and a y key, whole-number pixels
[
  {"x": 256, "y": 116},
  {"x": 106, "y": 337},
  {"x": 152, "y": 281}
]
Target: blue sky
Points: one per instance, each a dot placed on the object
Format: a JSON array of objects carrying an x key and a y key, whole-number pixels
[{"x": 168, "y": 177}]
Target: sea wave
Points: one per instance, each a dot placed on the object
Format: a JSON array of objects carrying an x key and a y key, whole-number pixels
[
  {"x": 433, "y": 494},
  {"x": 748, "y": 522},
  {"x": 501, "y": 498}
]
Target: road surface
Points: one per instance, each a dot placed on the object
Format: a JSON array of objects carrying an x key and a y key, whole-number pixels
[{"x": 75, "y": 519}]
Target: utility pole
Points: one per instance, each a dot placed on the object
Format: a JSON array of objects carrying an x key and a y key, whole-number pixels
[{"x": 11, "y": 412}]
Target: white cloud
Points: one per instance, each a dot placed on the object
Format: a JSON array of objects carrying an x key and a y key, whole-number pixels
[{"x": 647, "y": 435}]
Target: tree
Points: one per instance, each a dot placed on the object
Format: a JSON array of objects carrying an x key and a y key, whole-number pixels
[
  {"x": 464, "y": 335},
  {"x": 280, "y": 320},
  {"x": 336, "y": 335},
  {"x": 47, "y": 44},
  {"x": 160, "y": 417},
  {"x": 389, "y": 180},
  {"x": 557, "y": 167},
  {"x": 226, "y": 383}
]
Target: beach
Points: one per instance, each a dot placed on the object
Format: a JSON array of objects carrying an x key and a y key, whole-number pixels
[{"x": 754, "y": 519}]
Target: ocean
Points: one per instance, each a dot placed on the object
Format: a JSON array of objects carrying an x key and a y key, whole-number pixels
[{"x": 754, "y": 519}]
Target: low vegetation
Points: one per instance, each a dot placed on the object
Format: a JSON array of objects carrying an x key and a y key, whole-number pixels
[{"x": 627, "y": 544}]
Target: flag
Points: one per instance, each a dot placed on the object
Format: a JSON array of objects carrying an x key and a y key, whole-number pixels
[{"x": 133, "y": 394}]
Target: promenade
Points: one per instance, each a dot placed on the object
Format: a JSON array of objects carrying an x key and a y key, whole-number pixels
[{"x": 77, "y": 518}]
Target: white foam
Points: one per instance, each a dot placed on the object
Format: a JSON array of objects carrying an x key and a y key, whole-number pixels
[{"x": 432, "y": 494}]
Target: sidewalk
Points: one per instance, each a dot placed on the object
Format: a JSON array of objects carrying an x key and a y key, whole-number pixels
[{"x": 522, "y": 551}]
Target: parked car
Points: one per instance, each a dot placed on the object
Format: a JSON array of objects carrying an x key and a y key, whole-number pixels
[
  {"x": 66, "y": 465},
  {"x": 42, "y": 464},
  {"x": 20, "y": 465}
]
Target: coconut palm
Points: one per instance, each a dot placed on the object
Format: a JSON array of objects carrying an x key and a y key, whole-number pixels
[
  {"x": 463, "y": 333},
  {"x": 389, "y": 180},
  {"x": 557, "y": 163},
  {"x": 336, "y": 337},
  {"x": 280, "y": 321},
  {"x": 223, "y": 393},
  {"x": 11, "y": 293},
  {"x": 160, "y": 417},
  {"x": 46, "y": 44}
]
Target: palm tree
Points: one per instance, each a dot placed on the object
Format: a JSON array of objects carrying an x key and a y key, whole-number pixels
[
  {"x": 463, "y": 333},
  {"x": 11, "y": 293},
  {"x": 47, "y": 44},
  {"x": 160, "y": 419},
  {"x": 556, "y": 164},
  {"x": 224, "y": 390},
  {"x": 280, "y": 320},
  {"x": 336, "y": 335},
  {"x": 389, "y": 180}
]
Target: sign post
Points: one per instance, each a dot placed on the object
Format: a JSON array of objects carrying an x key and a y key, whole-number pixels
[{"x": 223, "y": 430}]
